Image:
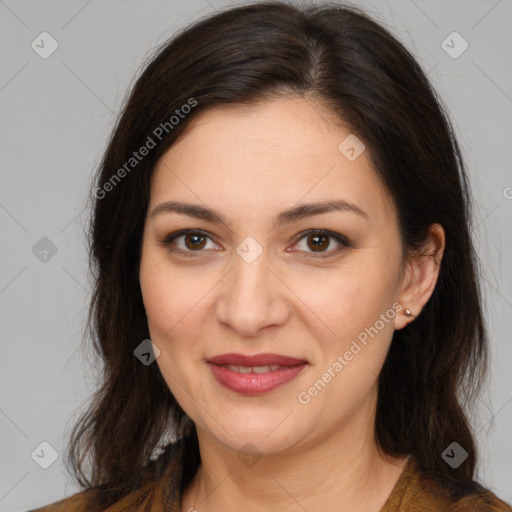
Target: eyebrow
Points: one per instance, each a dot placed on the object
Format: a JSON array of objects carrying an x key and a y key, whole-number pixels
[{"x": 285, "y": 217}]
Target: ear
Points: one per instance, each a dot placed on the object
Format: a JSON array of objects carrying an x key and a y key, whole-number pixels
[{"x": 420, "y": 275}]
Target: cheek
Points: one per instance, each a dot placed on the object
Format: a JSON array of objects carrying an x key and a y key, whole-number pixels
[
  {"x": 169, "y": 295},
  {"x": 347, "y": 300},
  {"x": 172, "y": 303}
]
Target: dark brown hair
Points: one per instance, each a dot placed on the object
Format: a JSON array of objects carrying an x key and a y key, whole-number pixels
[{"x": 341, "y": 58}]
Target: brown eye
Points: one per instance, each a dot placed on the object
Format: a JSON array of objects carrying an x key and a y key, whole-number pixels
[
  {"x": 318, "y": 241},
  {"x": 186, "y": 242},
  {"x": 194, "y": 241}
]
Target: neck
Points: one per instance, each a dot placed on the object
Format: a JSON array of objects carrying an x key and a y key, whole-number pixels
[{"x": 344, "y": 467}]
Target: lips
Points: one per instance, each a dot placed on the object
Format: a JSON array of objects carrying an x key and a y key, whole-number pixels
[
  {"x": 255, "y": 375},
  {"x": 255, "y": 360}
]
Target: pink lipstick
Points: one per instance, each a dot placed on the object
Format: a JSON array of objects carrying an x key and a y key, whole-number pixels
[{"x": 254, "y": 375}]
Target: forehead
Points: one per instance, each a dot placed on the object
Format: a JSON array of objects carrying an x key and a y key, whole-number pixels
[
  {"x": 294, "y": 126},
  {"x": 278, "y": 151}
]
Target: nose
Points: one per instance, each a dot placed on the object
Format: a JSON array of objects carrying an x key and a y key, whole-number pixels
[{"x": 252, "y": 298}]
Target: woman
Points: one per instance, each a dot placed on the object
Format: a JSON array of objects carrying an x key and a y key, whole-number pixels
[{"x": 286, "y": 292}]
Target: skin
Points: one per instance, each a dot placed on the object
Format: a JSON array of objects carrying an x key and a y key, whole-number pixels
[{"x": 250, "y": 164}]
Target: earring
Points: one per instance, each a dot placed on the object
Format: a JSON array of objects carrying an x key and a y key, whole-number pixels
[{"x": 408, "y": 312}]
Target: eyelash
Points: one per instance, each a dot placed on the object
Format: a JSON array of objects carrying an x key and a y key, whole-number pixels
[{"x": 343, "y": 241}]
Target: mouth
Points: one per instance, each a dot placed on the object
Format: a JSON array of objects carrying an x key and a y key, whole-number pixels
[
  {"x": 255, "y": 360},
  {"x": 255, "y": 375},
  {"x": 253, "y": 369}
]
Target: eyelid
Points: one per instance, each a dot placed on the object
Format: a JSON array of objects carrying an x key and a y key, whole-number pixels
[
  {"x": 343, "y": 243},
  {"x": 169, "y": 239},
  {"x": 342, "y": 240}
]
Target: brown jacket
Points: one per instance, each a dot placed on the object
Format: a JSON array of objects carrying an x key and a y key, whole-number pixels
[{"x": 413, "y": 492}]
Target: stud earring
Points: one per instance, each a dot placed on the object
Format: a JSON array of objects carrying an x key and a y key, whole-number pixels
[{"x": 408, "y": 312}]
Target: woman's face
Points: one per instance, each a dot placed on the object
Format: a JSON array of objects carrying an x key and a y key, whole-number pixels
[{"x": 252, "y": 285}]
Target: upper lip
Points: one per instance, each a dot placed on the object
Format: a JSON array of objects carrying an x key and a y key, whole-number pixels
[{"x": 255, "y": 360}]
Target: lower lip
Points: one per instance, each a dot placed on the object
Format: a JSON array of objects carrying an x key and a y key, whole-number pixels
[{"x": 255, "y": 383}]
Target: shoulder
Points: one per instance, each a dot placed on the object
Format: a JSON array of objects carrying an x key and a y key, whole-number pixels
[
  {"x": 421, "y": 493},
  {"x": 163, "y": 485},
  {"x": 84, "y": 502},
  {"x": 482, "y": 500},
  {"x": 78, "y": 502}
]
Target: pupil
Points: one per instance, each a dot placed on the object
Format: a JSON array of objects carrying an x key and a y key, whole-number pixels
[
  {"x": 316, "y": 239},
  {"x": 196, "y": 241}
]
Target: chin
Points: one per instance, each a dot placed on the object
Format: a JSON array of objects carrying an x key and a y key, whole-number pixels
[{"x": 262, "y": 435}]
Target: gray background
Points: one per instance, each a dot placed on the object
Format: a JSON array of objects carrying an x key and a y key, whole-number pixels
[{"x": 56, "y": 116}]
